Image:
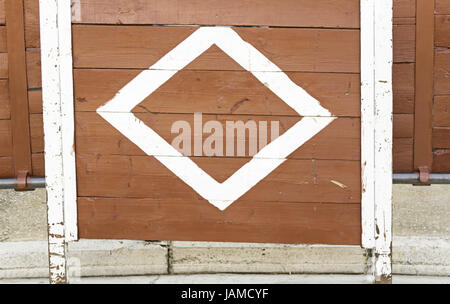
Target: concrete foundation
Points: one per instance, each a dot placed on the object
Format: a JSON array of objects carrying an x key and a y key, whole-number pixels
[{"x": 421, "y": 246}]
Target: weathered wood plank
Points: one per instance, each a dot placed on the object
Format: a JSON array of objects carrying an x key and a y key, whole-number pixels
[
  {"x": 5, "y": 108},
  {"x": 403, "y": 125},
  {"x": 404, "y": 43},
  {"x": 327, "y": 50},
  {"x": 191, "y": 220},
  {"x": 441, "y": 111},
  {"x": 338, "y": 141},
  {"x": 145, "y": 177},
  {"x": 34, "y": 68},
  {"x": 17, "y": 80},
  {"x": 298, "y": 13},
  {"x": 442, "y": 7},
  {"x": 3, "y": 65},
  {"x": 403, "y": 155},
  {"x": 35, "y": 101},
  {"x": 442, "y": 72},
  {"x": 441, "y": 161},
  {"x": 441, "y": 138},
  {"x": 6, "y": 167},
  {"x": 32, "y": 32},
  {"x": 2, "y": 12},
  {"x": 403, "y": 87},
  {"x": 218, "y": 92},
  {"x": 442, "y": 31},
  {"x": 5, "y": 138}
]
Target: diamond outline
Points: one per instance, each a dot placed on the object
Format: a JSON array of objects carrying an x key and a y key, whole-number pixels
[{"x": 118, "y": 113}]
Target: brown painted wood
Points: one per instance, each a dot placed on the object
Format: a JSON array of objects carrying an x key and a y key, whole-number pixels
[
  {"x": 258, "y": 222},
  {"x": 404, "y": 8},
  {"x": 403, "y": 125},
  {"x": 6, "y": 167},
  {"x": 442, "y": 30},
  {"x": 441, "y": 72},
  {"x": 218, "y": 92},
  {"x": 32, "y": 30},
  {"x": 298, "y": 13},
  {"x": 442, "y": 7},
  {"x": 35, "y": 101},
  {"x": 441, "y": 138},
  {"x": 38, "y": 164},
  {"x": 327, "y": 50},
  {"x": 33, "y": 57},
  {"x": 441, "y": 162},
  {"x": 404, "y": 43},
  {"x": 3, "y": 65},
  {"x": 5, "y": 109},
  {"x": 403, "y": 155},
  {"x": 403, "y": 87},
  {"x": 339, "y": 141},
  {"x": 441, "y": 111},
  {"x": 144, "y": 177},
  {"x": 18, "y": 86},
  {"x": 2, "y": 12},
  {"x": 6, "y": 148},
  {"x": 423, "y": 151}
]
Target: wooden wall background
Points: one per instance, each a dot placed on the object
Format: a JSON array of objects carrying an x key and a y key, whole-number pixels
[{"x": 100, "y": 62}]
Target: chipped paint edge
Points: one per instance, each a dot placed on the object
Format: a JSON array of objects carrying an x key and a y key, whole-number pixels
[
  {"x": 383, "y": 140},
  {"x": 55, "y": 79},
  {"x": 68, "y": 123}
]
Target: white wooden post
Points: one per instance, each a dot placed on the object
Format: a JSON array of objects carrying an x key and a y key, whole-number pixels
[
  {"x": 376, "y": 122},
  {"x": 57, "y": 93}
]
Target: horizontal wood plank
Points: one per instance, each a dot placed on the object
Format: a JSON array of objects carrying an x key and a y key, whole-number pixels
[
  {"x": 403, "y": 155},
  {"x": 38, "y": 164},
  {"x": 5, "y": 138},
  {"x": 191, "y": 220},
  {"x": 4, "y": 66},
  {"x": 145, "y": 177},
  {"x": 403, "y": 88},
  {"x": 5, "y": 107},
  {"x": 442, "y": 31},
  {"x": 441, "y": 161},
  {"x": 229, "y": 92},
  {"x": 32, "y": 31},
  {"x": 6, "y": 167},
  {"x": 442, "y": 7},
  {"x": 33, "y": 57},
  {"x": 442, "y": 72},
  {"x": 404, "y": 43},
  {"x": 403, "y": 125},
  {"x": 441, "y": 138},
  {"x": 340, "y": 140},
  {"x": 298, "y": 13},
  {"x": 306, "y": 50},
  {"x": 441, "y": 111}
]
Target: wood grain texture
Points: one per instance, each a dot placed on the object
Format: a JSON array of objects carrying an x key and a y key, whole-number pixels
[
  {"x": 94, "y": 135},
  {"x": 442, "y": 7},
  {"x": 33, "y": 57},
  {"x": 403, "y": 155},
  {"x": 298, "y": 13},
  {"x": 404, "y": 43},
  {"x": 3, "y": 65},
  {"x": 213, "y": 92},
  {"x": 5, "y": 108},
  {"x": 423, "y": 156},
  {"x": 403, "y": 87},
  {"x": 442, "y": 72},
  {"x": 327, "y": 50},
  {"x": 295, "y": 180},
  {"x": 192, "y": 220},
  {"x": 441, "y": 161},
  {"x": 441, "y": 138},
  {"x": 38, "y": 164},
  {"x": 442, "y": 31},
  {"x": 5, "y": 138},
  {"x": 35, "y": 101},
  {"x": 32, "y": 31},
  {"x": 17, "y": 80},
  {"x": 441, "y": 111},
  {"x": 2, "y": 12},
  {"x": 404, "y": 125},
  {"x": 6, "y": 167}
]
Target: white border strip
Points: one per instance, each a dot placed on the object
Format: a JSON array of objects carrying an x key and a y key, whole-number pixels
[
  {"x": 68, "y": 124},
  {"x": 383, "y": 139},
  {"x": 51, "y": 94},
  {"x": 368, "y": 122}
]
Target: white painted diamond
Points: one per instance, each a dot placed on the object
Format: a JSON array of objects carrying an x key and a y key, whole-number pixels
[{"x": 118, "y": 113}]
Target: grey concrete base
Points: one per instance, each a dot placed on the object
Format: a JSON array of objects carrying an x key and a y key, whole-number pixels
[
  {"x": 241, "y": 279},
  {"x": 87, "y": 258}
]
